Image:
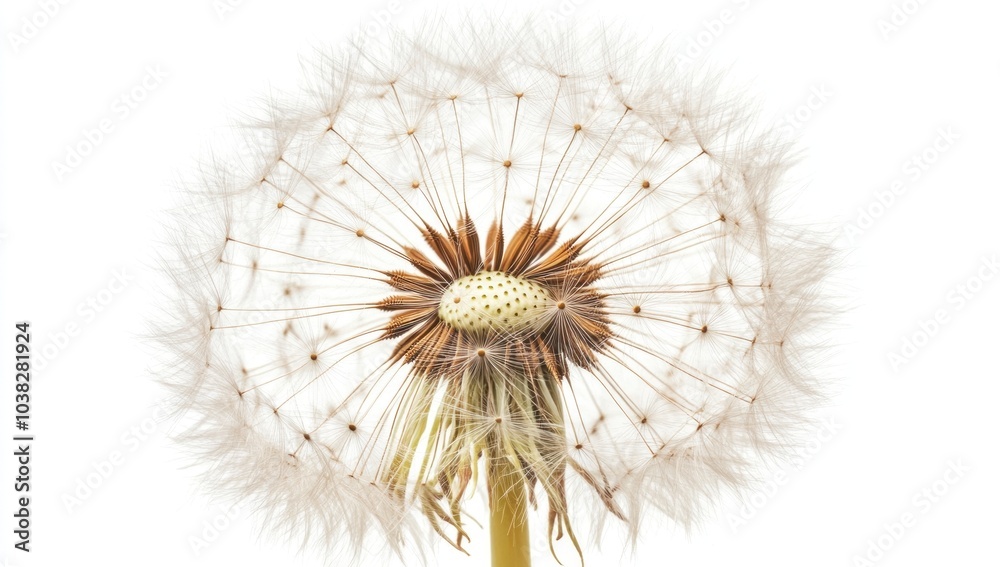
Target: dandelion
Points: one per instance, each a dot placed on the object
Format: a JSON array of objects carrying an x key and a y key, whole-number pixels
[{"x": 490, "y": 260}]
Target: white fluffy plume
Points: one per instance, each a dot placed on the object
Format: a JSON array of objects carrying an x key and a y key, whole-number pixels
[{"x": 316, "y": 380}]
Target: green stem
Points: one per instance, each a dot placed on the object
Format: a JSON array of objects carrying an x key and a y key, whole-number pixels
[{"x": 508, "y": 514}]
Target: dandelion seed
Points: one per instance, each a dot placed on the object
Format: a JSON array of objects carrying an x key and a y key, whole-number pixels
[{"x": 496, "y": 261}]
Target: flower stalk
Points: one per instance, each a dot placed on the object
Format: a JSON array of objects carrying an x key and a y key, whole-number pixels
[{"x": 509, "y": 540}]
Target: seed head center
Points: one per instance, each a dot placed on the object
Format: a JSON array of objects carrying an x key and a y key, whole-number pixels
[{"x": 495, "y": 300}]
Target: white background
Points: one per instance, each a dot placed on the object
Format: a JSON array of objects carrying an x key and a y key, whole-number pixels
[{"x": 889, "y": 93}]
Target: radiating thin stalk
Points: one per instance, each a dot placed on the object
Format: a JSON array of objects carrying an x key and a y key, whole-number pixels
[{"x": 508, "y": 511}]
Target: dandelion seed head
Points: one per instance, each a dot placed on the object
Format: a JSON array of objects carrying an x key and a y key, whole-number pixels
[
  {"x": 491, "y": 300},
  {"x": 481, "y": 245}
]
